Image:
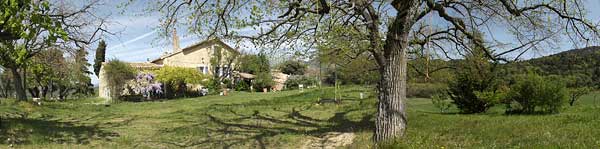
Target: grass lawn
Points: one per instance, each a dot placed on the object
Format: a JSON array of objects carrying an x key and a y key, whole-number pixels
[{"x": 282, "y": 120}]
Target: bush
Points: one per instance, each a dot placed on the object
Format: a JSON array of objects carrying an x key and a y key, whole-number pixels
[
  {"x": 477, "y": 79},
  {"x": 117, "y": 73},
  {"x": 472, "y": 94},
  {"x": 242, "y": 85},
  {"x": 534, "y": 93},
  {"x": 424, "y": 90},
  {"x": 293, "y": 81},
  {"x": 176, "y": 79},
  {"x": 145, "y": 85},
  {"x": 263, "y": 80},
  {"x": 441, "y": 101}
]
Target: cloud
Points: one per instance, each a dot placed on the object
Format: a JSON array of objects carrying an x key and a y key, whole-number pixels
[{"x": 121, "y": 45}]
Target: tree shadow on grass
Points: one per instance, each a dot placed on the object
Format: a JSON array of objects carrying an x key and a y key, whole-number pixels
[
  {"x": 36, "y": 131},
  {"x": 441, "y": 113},
  {"x": 234, "y": 126}
]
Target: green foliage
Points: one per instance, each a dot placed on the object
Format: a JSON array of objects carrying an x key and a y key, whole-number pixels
[
  {"x": 177, "y": 75},
  {"x": 293, "y": 81},
  {"x": 6, "y": 84},
  {"x": 359, "y": 71},
  {"x": 25, "y": 28},
  {"x": 100, "y": 57},
  {"x": 49, "y": 72},
  {"x": 424, "y": 90},
  {"x": 425, "y": 69},
  {"x": 441, "y": 101},
  {"x": 44, "y": 69},
  {"x": 14, "y": 13},
  {"x": 81, "y": 74},
  {"x": 117, "y": 73},
  {"x": 582, "y": 65},
  {"x": 534, "y": 93},
  {"x": 576, "y": 93},
  {"x": 254, "y": 64},
  {"x": 259, "y": 66},
  {"x": 476, "y": 74},
  {"x": 176, "y": 78},
  {"x": 293, "y": 67},
  {"x": 464, "y": 90},
  {"x": 248, "y": 64},
  {"x": 263, "y": 80},
  {"x": 344, "y": 58},
  {"x": 242, "y": 86}
]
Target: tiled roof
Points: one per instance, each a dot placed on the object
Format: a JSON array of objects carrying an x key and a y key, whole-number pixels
[
  {"x": 143, "y": 65},
  {"x": 193, "y": 46}
]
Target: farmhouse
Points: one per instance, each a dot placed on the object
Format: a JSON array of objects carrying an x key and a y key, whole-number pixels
[{"x": 199, "y": 56}]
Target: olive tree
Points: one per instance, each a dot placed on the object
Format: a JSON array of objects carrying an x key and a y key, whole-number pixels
[{"x": 391, "y": 28}]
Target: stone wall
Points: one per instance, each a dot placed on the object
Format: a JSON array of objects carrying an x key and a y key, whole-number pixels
[{"x": 103, "y": 91}]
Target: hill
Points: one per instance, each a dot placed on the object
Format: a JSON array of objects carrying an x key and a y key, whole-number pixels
[{"x": 582, "y": 63}]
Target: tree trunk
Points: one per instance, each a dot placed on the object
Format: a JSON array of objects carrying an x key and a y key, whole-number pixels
[
  {"x": 391, "y": 114},
  {"x": 44, "y": 91},
  {"x": 19, "y": 88},
  {"x": 34, "y": 92}
]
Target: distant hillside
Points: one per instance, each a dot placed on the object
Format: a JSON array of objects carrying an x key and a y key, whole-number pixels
[{"x": 584, "y": 62}]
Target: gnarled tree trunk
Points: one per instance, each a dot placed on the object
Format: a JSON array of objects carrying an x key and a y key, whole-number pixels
[{"x": 391, "y": 115}]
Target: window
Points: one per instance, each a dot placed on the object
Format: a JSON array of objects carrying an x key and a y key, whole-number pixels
[
  {"x": 222, "y": 71},
  {"x": 202, "y": 69}
]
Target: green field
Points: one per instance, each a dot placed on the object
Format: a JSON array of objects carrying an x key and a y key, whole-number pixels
[{"x": 288, "y": 119}]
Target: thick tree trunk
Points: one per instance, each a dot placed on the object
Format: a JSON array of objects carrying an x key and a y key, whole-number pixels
[
  {"x": 19, "y": 88},
  {"x": 391, "y": 115}
]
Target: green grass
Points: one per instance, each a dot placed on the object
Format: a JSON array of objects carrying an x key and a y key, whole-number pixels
[{"x": 282, "y": 120}]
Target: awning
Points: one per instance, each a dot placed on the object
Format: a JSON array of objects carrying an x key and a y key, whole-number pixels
[{"x": 246, "y": 75}]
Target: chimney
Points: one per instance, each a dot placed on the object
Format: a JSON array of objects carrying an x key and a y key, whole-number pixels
[{"x": 175, "y": 41}]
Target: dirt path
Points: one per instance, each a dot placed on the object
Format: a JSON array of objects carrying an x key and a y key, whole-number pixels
[{"x": 330, "y": 140}]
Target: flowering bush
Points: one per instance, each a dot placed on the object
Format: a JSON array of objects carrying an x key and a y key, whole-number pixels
[{"x": 144, "y": 84}]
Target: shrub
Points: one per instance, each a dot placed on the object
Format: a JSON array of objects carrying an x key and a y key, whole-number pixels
[
  {"x": 263, "y": 80},
  {"x": 476, "y": 80},
  {"x": 441, "y": 101},
  {"x": 144, "y": 84},
  {"x": 464, "y": 92},
  {"x": 424, "y": 90},
  {"x": 242, "y": 86},
  {"x": 117, "y": 73},
  {"x": 293, "y": 81},
  {"x": 175, "y": 79},
  {"x": 533, "y": 92}
]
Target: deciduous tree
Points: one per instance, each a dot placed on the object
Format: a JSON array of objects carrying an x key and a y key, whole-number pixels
[
  {"x": 391, "y": 28},
  {"x": 28, "y": 27}
]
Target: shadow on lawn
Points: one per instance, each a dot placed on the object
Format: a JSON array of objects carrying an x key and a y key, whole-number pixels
[
  {"x": 259, "y": 129},
  {"x": 35, "y": 131}
]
